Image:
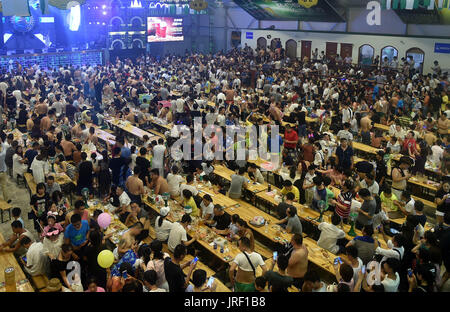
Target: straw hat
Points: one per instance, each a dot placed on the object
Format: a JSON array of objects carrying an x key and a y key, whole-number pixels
[{"x": 54, "y": 285}]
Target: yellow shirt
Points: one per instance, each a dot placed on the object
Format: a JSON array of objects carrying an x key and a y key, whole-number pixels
[
  {"x": 444, "y": 103},
  {"x": 389, "y": 201},
  {"x": 294, "y": 190},
  {"x": 191, "y": 202}
]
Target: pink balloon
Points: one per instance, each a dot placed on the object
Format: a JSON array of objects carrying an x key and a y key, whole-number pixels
[{"x": 104, "y": 220}]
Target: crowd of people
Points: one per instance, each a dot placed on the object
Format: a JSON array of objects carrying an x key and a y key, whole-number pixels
[{"x": 61, "y": 108}]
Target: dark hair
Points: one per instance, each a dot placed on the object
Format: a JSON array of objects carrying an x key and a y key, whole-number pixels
[
  {"x": 25, "y": 241},
  {"x": 179, "y": 251},
  {"x": 187, "y": 194},
  {"x": 290, "y": 196},
  {"x": 418, "y": 205},
  {"x": 186, "y": 218},
  {"x": 66, "y": 247},
  {"x": 393, "y": 263},
  {"x": 155, "y": 171},
  {"x": 79, "y": 203},
  {"x": 368, "y": 229},
  {"x": 75, "y": 218},
  {"x": 287, "y": 183},
  {"x": 40, "y": 186},
  {"x": 133, "y": 286},
  {"x": 341, "y": 287},
  {"x": 156, "y": 247},
  {"x": 364, "y": 192},
  {"x": 16, "y": 212},
  {"x": 335, "y": 219},
  {"x": 150, "y": 277},
  {"x": 282, "y": 262},
  {"x": 208, "y": 197},
  {"x": 95, "y": 237},
  {"x": 198, "y": 277},
  {"x": 261, "y": 281},
  {"x": 16, "y": 224},
  {"x": 346, "y": 272}
]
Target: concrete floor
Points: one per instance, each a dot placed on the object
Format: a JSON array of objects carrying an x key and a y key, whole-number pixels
[{"x": 20, "y": 198}]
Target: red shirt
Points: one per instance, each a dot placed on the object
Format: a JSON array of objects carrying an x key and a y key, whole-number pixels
[{"x": 290, "y": 136}]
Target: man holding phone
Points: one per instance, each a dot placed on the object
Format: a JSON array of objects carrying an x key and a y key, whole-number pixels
[
  {"x": 279, "y": 281},
  {"x": 35, "y": 261},
  {"x": 173, "y": 270}
]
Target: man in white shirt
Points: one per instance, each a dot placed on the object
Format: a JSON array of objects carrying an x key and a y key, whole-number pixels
[
  {"x": 159, "y": 153},
  {"x": 189, "y": 185},
  {"x": 36, "y": 261},
  {"x": 329, "y": 235},
  {"x": 437, "y": 153},
  {"x": 178, "y": 234},
  {"x": 408, "y": 202},
  {"x": 124, "y": 202}
]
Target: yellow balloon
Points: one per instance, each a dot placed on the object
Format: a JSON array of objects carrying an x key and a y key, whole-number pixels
[{"x": 105, "y": 258}]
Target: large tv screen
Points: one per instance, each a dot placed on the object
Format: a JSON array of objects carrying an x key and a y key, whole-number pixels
[{"x": 164, "y": 29}]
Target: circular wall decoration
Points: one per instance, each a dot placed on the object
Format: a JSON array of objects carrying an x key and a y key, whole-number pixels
[
  {"x": 62, "y": 4},
  {"x": 23, "y": 24}
]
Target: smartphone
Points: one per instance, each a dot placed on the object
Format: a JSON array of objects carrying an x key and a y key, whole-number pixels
[
  {"x": 394, "y": 231},
  {"x": 24, "y": 258},
  {"x": 195, "y": 260},
  {"x": 275, "y": 255},
  {"x": 363, "y": 269},
  {"x": 410, "y": 272},
  {"x": 210, "y": 282},
  {"x": 125, "y": 275},
  {"x": 337, "y": 259}
]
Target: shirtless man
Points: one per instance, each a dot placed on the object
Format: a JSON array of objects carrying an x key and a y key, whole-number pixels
[
  {"x": 46, "y": 121},
  {"x": 130, "y": 116},
  {"x": 41, "y": 109},
  {"x": 92, "y": 137},
  {"x": 366, "y": 125},
  {"x": 68, "y": 147},
  {"x": 245, "y": 276},
  {"x": 298, "y": 262},
  {"x": 158, "y": 183},
  {"x": 135, "y": 186},
  {"x": 443, "y": 124}
]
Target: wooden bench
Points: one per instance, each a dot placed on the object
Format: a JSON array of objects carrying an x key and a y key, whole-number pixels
[
  {"x": 4, "y": 206},
  {"x": 425, "y": 202},
  {"x": 40, "y": 281},
  {"x": 30, "y": 183}
]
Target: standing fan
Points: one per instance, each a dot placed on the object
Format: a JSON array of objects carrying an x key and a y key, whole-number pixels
[
  {"x": 85, "y": 194},
  {"x": 322, "y": 208}
]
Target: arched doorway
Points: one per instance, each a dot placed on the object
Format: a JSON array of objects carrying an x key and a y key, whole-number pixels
[
  {"x": 389, "y": 52},
  {"x": 261, "y": 43},
  {"x": 365, "y": 55},
  {"x": 273, "y": 43},
  {"x": 291, "y": 49},
  {"x": 418, "y": 56}
]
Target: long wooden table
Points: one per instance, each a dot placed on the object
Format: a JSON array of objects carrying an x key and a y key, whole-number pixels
[
  {"x": 175, "y": 216},
  {"x": 226, "y": 174},
  {"x": 129, "y": 128},
  {"x": 7, "y": 260}
]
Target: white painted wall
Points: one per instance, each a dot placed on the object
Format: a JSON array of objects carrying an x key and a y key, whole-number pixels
[
  {"x": 320, "y": 26},
  {"x": 378, "y": 42}
]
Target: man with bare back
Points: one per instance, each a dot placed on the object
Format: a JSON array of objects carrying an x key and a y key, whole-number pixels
[
  {"x": 298, "y": 261},
  {"x": 366, "y": 125}
]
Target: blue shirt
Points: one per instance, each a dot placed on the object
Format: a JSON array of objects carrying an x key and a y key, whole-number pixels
[
  {"x": 126, "y": 153},
  {"x": 269, "y": 144},
  {"x": 77, "y": 237}
]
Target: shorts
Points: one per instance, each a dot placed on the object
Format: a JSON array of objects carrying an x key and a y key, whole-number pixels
[{"x": 243, "y": 287}]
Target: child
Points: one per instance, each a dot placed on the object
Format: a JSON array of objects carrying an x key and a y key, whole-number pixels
[
  {"x": 260, "y": 284},
  {"x": 16, "y": 215},
  {"x": 319, "y": 193},
  {"x": 418, "y": 207},
  {"x": 189, "y": 201},
  {"x": 308, "y": 184},
  {"x": 51, "y": 223},
  {"x": 389, "y": 203}
]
